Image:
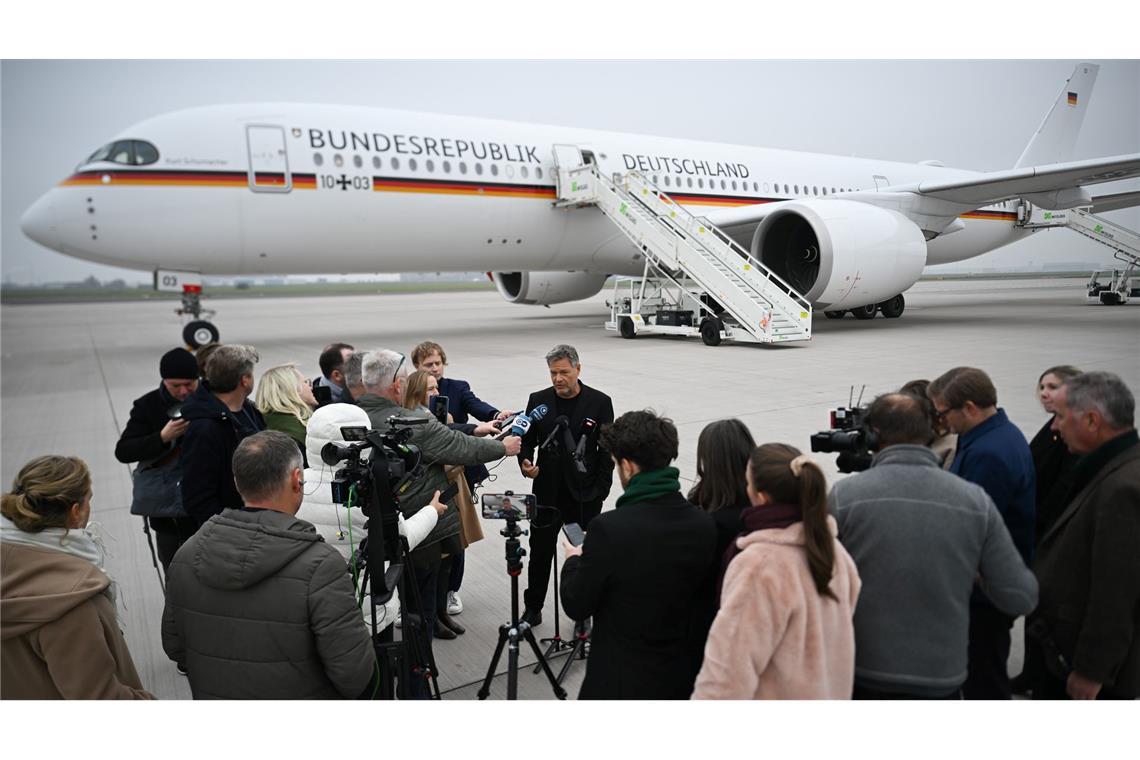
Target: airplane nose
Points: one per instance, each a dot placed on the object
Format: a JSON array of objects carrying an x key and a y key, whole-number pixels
[{"x": 39, "y": 222}]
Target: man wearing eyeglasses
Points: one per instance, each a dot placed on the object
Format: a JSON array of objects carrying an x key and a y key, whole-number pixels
[
  {"x": 993, "y": 453},
  {"x": 384, "y": 374}
]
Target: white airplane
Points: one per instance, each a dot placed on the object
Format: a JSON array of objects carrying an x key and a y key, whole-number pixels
[{"x": 281, "y": 188}]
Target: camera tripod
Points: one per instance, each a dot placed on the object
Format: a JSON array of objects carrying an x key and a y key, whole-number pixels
[
  {"x": 576, "y": 647},
  {"x": 510, "y": 633}
]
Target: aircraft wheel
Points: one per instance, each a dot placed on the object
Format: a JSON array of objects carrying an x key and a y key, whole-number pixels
[
  {"x": 865, "y": 312},
  {"x": 710, "y": 331},
  {"x": 626, "y": 327},
  {"x": 200, "y": 332},
  {"x": 893, "y": 308},
  {"x": 834, "y": 314}
]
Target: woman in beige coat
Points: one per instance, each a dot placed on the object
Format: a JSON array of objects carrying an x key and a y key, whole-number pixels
[
  {"x": 61, "y": 637},
  {"x": 784, "y": 629}
]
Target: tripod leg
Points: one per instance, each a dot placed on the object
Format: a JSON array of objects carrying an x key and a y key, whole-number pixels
[
  {"x": 557, "y": 686},
  {"x": 485, "y": 689},
  {"x": 513, "y": 665}
]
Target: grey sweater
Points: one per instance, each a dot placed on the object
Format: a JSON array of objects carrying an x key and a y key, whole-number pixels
[{"x": 919, "y": 537}]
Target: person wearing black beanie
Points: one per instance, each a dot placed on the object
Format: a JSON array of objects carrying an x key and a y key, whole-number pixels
[{"x": 153, "y": 438}]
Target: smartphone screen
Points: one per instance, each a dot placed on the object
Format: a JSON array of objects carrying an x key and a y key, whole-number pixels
[
  {"x": 574, "y": 534},
  {"x": 499, "y": 506},
  {"x": 439, "y": 408}
]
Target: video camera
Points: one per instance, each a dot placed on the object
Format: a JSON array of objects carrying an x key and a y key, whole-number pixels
[
  {"x": 849, "y": 435},
  {"x": 400, "y": 459}
]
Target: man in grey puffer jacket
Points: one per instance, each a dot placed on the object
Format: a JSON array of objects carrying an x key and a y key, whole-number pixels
[
  {"x": 258, "y": 606},
  {"x": 384, "y": 374},
  {"x": 920, "y": 537}
]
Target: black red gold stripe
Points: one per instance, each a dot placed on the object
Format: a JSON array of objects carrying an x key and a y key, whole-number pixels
[{"x": 446, "y": 187}]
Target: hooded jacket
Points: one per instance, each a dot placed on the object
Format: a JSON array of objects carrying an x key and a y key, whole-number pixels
[
  {"x": 776, "y": 636},
  {"x": 61, "y": 639},
  {"x": 208, "y": 448},
  {"x": 259, "y": 607}
]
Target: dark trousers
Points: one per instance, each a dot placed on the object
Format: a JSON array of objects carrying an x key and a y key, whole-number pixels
[
  {"x": 455, "y": 577},
  {"x": 863, "y": 692},
  {"x": 988, "y": 677},
  {"x": 1049, "y": 686},
  {"x": 446, "y": 566},
  {"x": 543, "y": 537},
  {"x": 426, "y": 561},
  {"x": 169, "y": 534}
]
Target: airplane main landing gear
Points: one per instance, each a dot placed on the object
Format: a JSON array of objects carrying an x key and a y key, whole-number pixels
[{"x": 198, "y": 332}]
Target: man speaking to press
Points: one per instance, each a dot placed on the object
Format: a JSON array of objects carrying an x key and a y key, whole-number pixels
[{"x": 571, "y": 474}]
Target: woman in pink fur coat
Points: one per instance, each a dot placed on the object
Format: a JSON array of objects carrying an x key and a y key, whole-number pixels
[{"x": 784, "y": 630}]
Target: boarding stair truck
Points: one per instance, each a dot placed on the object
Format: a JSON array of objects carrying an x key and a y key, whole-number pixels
[
  {"x": 697, "y": 280},
  {"x": 1123, "y": 285}
]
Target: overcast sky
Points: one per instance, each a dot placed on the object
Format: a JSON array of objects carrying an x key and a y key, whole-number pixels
[{"x": 969, "y": 114}]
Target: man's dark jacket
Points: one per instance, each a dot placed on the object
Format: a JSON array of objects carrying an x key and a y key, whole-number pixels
[
  {"x": 645, "y": 574},
  {"x": 207, "y": 454},
  {"x": 461, "y": 403},
  {"x": 996, "y": 456},
  {"x": 555, "y": 465},
  {"x": 141, "y": 440},
  {"x": 1089, "y": 569},
  {"x": 258, "y": 606}
]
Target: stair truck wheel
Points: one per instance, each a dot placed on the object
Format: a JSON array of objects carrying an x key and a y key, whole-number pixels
[
  {"x": 834, "y": 314},
  {"x": 626, "y": 327},
  {"x": 1111, "y": 298},
  {"x": 200, "y": 332},
  {"x": 865, "y": 312},
  {"x": 893, "y": 308},
  {"x": 710, "y": 331}
]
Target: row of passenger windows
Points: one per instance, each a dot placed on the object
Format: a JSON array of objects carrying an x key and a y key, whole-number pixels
[
  {"x": 430, "y": 166},
  {"x": 756, "y": 187},
  {"x": 129, "y": 152},
  {"x": 525, "y": 172}
]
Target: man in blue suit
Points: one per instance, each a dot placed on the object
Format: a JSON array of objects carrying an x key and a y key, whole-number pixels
[
  {"x": 462, "y": 403},
  {"x": 992, "y": 453}
]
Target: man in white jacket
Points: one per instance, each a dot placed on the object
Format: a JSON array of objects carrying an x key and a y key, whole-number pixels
[{"x": 344, "y": 528}]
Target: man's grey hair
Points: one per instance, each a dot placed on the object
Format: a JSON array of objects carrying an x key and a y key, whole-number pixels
[
  {"x": 262, "y": 464},
  {"x": 228, "y": 364},
  {"x": 1105, "y": 393},
  {"x": 379, "y": 368},
  {"x": 562, "y": 351},
  {"x": 352, "y": 369}
]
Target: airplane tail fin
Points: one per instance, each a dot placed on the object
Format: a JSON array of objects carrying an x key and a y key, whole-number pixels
[{"x": 1053, "y": 141}]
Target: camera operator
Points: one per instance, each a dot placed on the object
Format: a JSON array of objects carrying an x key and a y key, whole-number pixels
[
  {"x": 559, "y": 480},
  {"x": 258, "y": 606},
  {"x": 645, "y": 572},
  {"x": 907, "y": 518},
  {"x": 153, "y": 438},
  {"x": 384, "y": 375}
]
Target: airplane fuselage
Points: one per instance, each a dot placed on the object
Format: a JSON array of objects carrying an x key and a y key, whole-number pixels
[{"x": 303, "y": 188}]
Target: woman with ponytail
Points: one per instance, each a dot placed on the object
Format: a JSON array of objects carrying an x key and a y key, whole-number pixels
[
  {"x": 784, "y": 629},
  {"x": 61, "y": 637}
]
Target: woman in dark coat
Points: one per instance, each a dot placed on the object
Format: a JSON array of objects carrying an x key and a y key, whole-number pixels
[{"x": 723, "y": 449}]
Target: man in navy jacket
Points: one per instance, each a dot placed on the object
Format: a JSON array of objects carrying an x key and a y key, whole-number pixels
[{"x": 994, "y": 454}]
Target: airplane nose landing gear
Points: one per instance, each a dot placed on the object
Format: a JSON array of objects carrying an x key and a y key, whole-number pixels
[{"x": 198, "y": 332}]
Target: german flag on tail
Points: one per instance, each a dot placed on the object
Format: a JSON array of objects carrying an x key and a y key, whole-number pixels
[{"x": 1072, "y": 98}]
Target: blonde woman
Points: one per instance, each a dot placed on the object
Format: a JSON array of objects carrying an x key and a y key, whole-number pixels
[
  {"x": 285, "y": 398},
  {"x": 57, "y": 607}
]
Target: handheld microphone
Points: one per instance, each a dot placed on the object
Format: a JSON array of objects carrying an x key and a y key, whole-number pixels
[
  {"x": 520, "y": 427},
  {"x": 589, "y": 427},
  {"x": 535, "y": 415},
  {"x": 561, "y": 422}
]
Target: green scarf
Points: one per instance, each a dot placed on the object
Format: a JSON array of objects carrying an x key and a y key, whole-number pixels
[{"x": 649, "y": 485}]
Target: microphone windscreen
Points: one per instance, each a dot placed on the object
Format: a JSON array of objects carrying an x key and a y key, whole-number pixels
[{"x": 539, "y": 412}]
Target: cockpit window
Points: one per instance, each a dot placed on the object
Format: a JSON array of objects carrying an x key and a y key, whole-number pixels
[{"x": 127, "y": 152}]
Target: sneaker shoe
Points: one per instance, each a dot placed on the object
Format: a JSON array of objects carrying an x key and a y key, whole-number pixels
[
  {"x": 532, "y": 616},
  {"x": 399, "y": 620},
  {"x": 454, "y": 603}
]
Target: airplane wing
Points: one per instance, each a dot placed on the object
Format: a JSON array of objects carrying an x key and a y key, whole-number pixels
[{"x": 1102, "y": 203}]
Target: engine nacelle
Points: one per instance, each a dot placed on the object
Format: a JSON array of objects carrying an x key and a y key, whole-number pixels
[
  {"x": 841, "y": 254},
  {"x": 546, "y": 288}
]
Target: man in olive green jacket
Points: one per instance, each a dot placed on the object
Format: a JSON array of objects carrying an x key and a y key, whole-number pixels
[{"x": 384, "y": 374}]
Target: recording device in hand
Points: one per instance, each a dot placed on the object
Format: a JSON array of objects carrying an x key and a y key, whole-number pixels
[
  {"x": 439, "y": 408},
  {"x": 509, "y": 506},
  {"x": 585, "y": 433},
  {"x": 520, "y": 422},
  {"x": 574, "y": 533},
  {"x": 322, "y": 393},
  {"x": 849, "y": 435}
]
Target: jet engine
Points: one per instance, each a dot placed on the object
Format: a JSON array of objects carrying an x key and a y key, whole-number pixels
[
  {"x": 546, "y": 288},
  {"x": 840, "y": 254}
]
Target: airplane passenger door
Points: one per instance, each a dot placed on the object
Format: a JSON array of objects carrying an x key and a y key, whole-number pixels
[
  {"x": 571, "y": 173},
  {"x": 268, "y": 161},
  {"x": 881, "y": 182}
]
